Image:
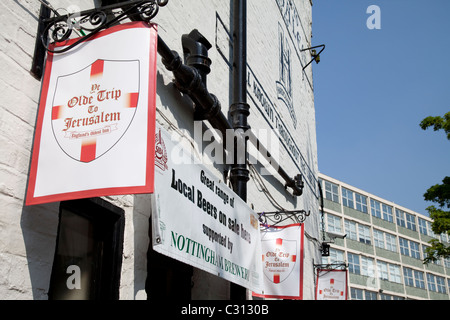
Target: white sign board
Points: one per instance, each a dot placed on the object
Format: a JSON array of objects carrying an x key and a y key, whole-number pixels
[
  {"x": 198, "y": 220},
  {"x": 95, "y": 126},
  {"x": 331, "y": 285},
  {"x": 282, "y": 256}
]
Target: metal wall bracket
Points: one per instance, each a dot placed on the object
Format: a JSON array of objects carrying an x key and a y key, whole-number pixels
[
  {"x": 332, "y": 266},
  {"x": 85, "y": 24},
  {"x": 275, "y": 218},
  {"x": 315, "y": 56}
]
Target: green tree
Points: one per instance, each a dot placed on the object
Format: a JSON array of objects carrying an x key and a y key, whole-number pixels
[{"x": 439, "y": 194}]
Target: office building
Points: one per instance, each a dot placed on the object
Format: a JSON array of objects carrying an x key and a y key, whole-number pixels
[{"x": 384, "y": 246}]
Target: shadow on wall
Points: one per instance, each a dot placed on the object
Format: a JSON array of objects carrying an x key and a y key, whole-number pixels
[{"x": 39, "y": 225}]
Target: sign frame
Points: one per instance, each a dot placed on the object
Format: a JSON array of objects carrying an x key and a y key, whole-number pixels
[
  {"x": 318, "y": 288},
  {"x": 41, "y": 169},
  {"x": 198, "y": 220},
  {"x": 300, "y": 259}
]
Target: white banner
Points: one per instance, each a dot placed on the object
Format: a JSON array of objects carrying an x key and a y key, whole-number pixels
[
  {"x": 200, "y": 221},
  {"x": 95, "y": 125},
  {"x": 331, "y": 285},
  {"x": 282, "y": 256}
]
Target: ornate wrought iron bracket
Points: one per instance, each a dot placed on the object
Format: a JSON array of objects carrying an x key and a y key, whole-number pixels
[
  {"x": 274, "y": 218},
  {"x": 332, "y": 266},
  {"x": 86, "y": 24}
]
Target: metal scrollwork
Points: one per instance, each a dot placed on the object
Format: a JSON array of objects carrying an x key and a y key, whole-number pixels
[
  {"x": 85, "y": 24},
  {"x": 268, "y": 219}
]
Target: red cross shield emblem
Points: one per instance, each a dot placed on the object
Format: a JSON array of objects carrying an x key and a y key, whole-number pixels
[
  {"x": 94, "y": 107},
  {"x": 279, "y": 258}
]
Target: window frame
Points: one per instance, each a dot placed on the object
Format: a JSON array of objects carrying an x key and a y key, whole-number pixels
[
  {"x": 431, "y": 281},
  {"x": 387, "y": 212},
  {"x": 354, "y": 265},
  {"x": 404, "y": 246},
  {"x": 378, "y": 238},
  {"x": 351, "y": 229},
  {"x": 335, "y": 220},
  {"x": 414, "y": 249},
  {"x": 375, "y": 208},
  {"x": 109, "y": 221},
  {"x": 347, "y": 198},
  {"x": 364, "y": 235},
  {"x": 331, "y": 191},
  {"x": 408, "y": 276},
  {"x": 361, "y": 203},
  {"x": 419, "y": 279},
  {"x": 391, "y": 242},
  {"x": 410, "y": 221},
  {"x": 400, "y": 218}
]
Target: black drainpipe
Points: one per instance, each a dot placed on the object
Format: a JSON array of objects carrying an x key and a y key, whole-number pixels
[{"x": 239, "y": 111}]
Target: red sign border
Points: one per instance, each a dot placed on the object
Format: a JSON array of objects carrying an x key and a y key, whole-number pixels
[
  {"x": 346, "y": 280},
  {"x": 150, "y": 171},
  {"x": 302, "y": 241}
]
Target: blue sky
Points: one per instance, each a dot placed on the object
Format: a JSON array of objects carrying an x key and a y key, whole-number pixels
[{"x": 373, "y": 88}]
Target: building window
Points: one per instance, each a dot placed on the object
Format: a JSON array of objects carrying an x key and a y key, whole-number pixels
[
  {"x": 414, "y": 249},
  {"x": 404, "y": 247},
  {"x": 367, "y": 268},
  {"x": 391, "y": 242},
  {"x": 410, "y": 221},
  {"x": 419, "y": 279},
  {"x": 430, "y": 230},
  {"x": 440, "y": 284},
  {"x": 431, "y": 279},
  {"x": 336, "y": 256},
  {"x": 382, "y": 270},
  {"x": 364, "y": 234},
  {"x": 394, "y": 273},
  {"x": 447, "y": 262},
  {"x": 375, "y": 208},
  {"x": 423, "y": 228},
  {"x": 384, "y": 296},
  {"x": 350, "y": 230},
  {"x": 347, "y": 198},
  {"x": 408, "y": 276},
  {"x": 331, "y": 191},
  {"x": 378, "y": 238},
  {"x": 425, "y": 255},
  {"x": 361, "y": 202},
  {"x": 88, "y": 255},
  {"x": 387, "y": 213},
  {"x": 400, "y": 215},
  {"x": 356, "y": 294},
  {"x": 353, "y": 263},
  {"x": 370, "y": 295},
  {"x": 334, "y": 223}
]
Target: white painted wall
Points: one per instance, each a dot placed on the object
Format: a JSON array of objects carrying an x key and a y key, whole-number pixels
[{"x": 28, "y": 234}]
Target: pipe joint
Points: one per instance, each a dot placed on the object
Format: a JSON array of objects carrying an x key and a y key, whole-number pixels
[
  {"x": 239, "y": 113},
  {"x": 212, "y": 112}
]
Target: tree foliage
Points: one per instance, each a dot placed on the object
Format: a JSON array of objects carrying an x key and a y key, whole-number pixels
[
  {"x": 438, "y": 123},
  {"x": 439, "y": 194}
]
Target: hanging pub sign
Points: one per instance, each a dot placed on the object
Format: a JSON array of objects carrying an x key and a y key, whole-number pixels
[
  {"x": 200, "y": 221},
  {"x": 282, "y": 258},
  {"x": 96, "y": 120},
  {"x": 331, "y": 284}
]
